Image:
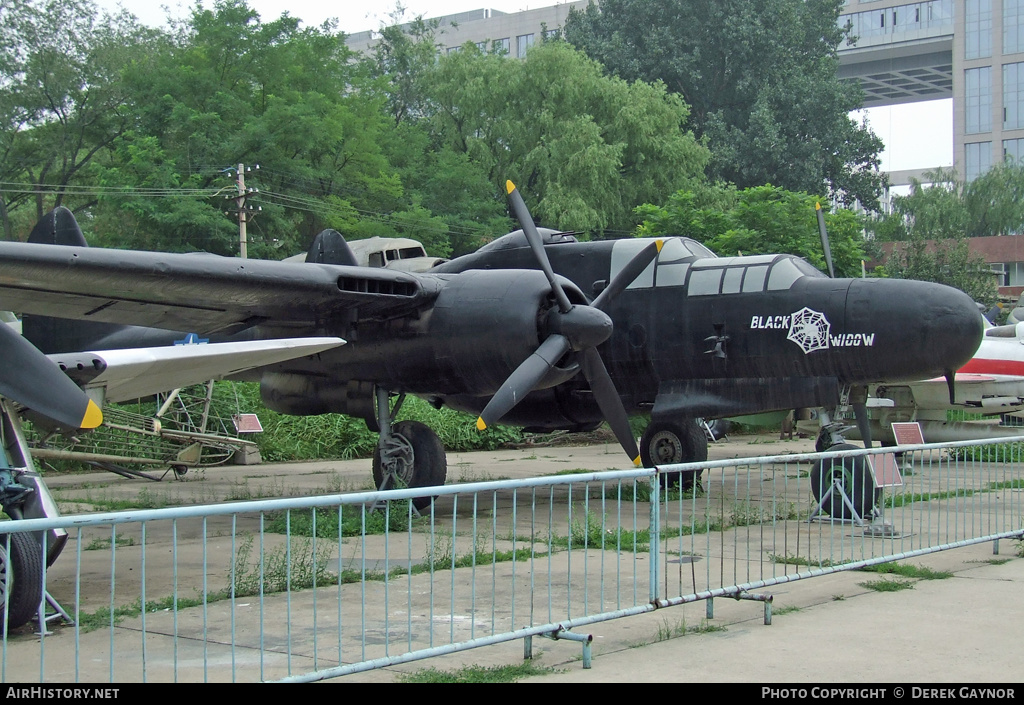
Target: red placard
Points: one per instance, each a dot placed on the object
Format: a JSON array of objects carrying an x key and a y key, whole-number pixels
[
  {"x": 886, "y": 470},
  {"x": 247, "y": 423},
  {"x": 908, "y": 433}
]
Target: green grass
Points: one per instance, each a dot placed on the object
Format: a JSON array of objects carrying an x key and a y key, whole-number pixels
[
  {"x": 103, "y": 618},
  {"x": 477, "y": 674}
]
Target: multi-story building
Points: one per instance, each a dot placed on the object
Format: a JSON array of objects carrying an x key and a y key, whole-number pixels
[{"x": 491, "y": 30}]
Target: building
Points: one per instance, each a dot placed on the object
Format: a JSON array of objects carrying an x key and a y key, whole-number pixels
[
  {"x": 969, "y": 50},
  {"x": 491, "y": 30}
]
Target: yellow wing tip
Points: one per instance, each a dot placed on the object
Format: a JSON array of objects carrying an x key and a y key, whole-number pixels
[
  {"x": 509, "y": 186},
  {"x": 93, "y": 416},
  {"x": 480, "y": 425}
]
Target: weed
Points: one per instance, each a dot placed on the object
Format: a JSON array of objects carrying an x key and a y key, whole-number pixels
[
  {"x": 887, "y": 585},
  {"x": 778, "y": 611},
  {"x": 292, "y": 567},
  {"x": 629, "y": 491},
  {"x": 477, "y": 674},
  {"x": 838, "y": 598},
  {"x": 98, "y": 543},
  {"x": 800, "y": 560},
  {"x": 907, "y": 571},
  {"x": 668, "y": 630},
  {"x": 706, "y": 628},
  {"x": 354, "y": 520},
  {"x": 746, "y": 514},
  {"x": 144, "y": 500}
]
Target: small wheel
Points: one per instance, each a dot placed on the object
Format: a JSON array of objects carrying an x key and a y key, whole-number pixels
[
  {"x": 179, "y": 471},
  {"x": 21, "y": 578},
  {"x": 416, "y": 458},
  {"x": 853, "y": 476},
  {"x": 668, "y": 443}
]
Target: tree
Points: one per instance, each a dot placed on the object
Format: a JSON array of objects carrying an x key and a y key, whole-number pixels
[
  {"x": 761, "y": 220},
  {"x": 583, "y": 148},
  {"x": 61, "y": 100},
  {"x": 946, "y": 262},
  {"x": 761, "y": 81},
  {"x": 948, "y": 207}
]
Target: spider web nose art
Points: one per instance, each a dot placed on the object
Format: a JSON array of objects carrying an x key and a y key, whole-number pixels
[{"x": 809, "y": 329}]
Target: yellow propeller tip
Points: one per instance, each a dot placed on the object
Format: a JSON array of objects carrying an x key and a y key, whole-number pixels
[
  {"x": 636, "y": 461},
  {"x": 509, "y": 186},
  {"x": 659, "y": 244},
  {"x": 480, "y": 425},
  {"x": 93, "y": 416},
  {"x": 817, "y": 206}
]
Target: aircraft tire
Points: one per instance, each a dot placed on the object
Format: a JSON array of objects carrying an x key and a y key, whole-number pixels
[
  {"x": 425, "y": 463},
  {"x": 856, "y": 480},
  {"x": 21, "y": 575},
  {"x": 667, "y": 443}
]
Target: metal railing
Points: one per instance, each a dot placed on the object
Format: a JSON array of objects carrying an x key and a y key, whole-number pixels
[{"x": 316, "y": 587}]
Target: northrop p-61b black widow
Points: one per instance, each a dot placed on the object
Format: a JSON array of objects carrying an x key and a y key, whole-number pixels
[{"x": 535, "y": 329}]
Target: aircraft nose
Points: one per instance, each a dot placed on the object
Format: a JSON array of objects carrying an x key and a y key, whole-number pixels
[{"x": 926, "y": 329}]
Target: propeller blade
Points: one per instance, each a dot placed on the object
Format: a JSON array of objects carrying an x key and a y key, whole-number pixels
[
  {"x": 523, "y": 380},
  {"x": 950, "y": 376},
  {"x": 627, "y": 274},
  {"x": 31, "y": 379},
  {"x": 611, "y": 405},
  {"x": 515, "y": 200},
  {"x": 824, "y": 240}
]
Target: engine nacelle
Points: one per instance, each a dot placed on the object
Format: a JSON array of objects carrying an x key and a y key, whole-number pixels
[{"x": 485, "y": 323}]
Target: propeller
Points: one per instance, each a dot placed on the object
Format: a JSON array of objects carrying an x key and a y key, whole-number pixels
[
  {"x": 824, "y": 240},
  {"x": 33, "y": 380},
  {"x": 576, "y": 328}
]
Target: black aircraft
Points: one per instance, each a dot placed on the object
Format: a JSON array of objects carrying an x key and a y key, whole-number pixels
[{"x": 535, "y": 329}]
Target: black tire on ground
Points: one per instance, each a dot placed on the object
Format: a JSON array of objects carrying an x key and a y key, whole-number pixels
[
  {"x": 423, "y": 464},
  {"x": 21, "y": 576},
  {"x": 670, "y": 442},
  {"x": 856, "y": 480}
]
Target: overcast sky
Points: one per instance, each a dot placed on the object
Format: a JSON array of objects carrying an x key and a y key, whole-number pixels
[{"x": 917, "y": 136}]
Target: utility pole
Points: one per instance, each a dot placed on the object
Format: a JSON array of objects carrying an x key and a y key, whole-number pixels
[{"x": 245, "y": 213}]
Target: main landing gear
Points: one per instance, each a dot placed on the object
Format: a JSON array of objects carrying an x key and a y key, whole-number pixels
[
  {"x": 408, "y": 454},
  {"x": 670, "y": 442},
  {"x": 834, "y": 478}
]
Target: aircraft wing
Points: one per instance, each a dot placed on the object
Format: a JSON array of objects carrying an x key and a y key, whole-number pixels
[
  {"x": 200, "y": 292},
  {"x": 133, "y": 373}
]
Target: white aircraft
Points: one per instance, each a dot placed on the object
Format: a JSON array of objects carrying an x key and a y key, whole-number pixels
[{"x": 991, "y": 384}]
